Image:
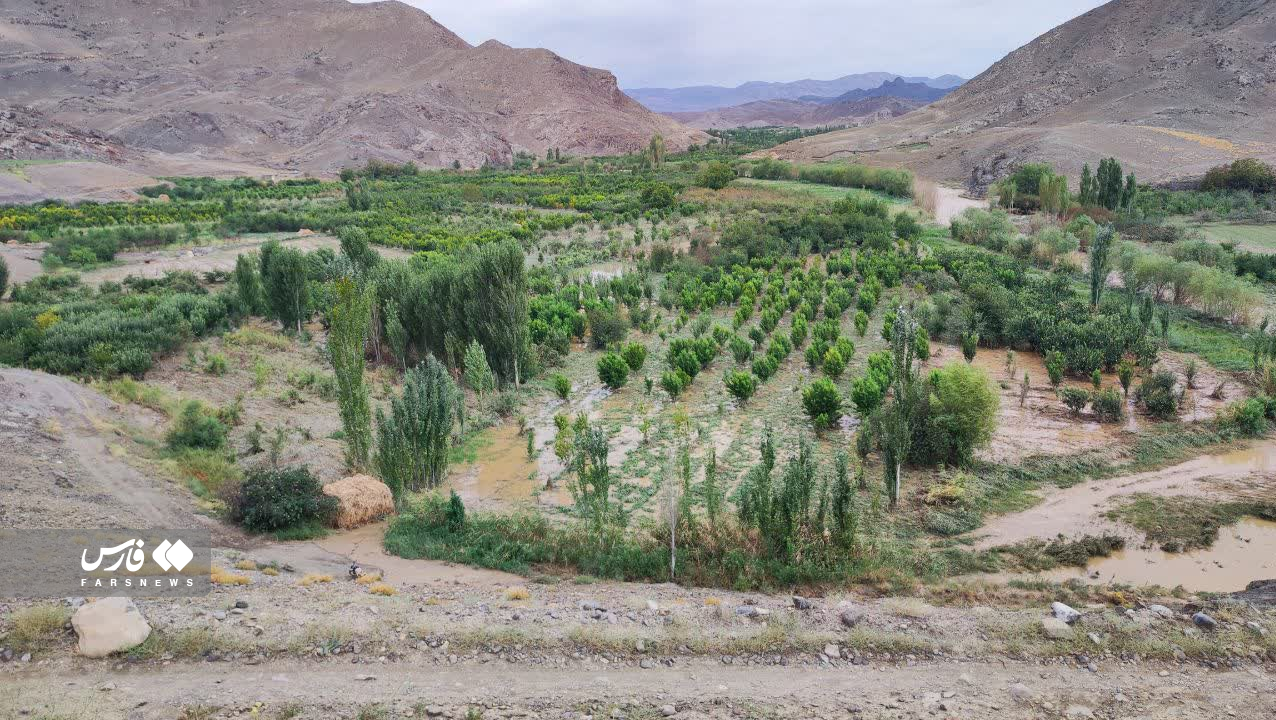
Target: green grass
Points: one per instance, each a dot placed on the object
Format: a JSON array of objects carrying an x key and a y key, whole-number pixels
[
  {"x": 1222, "y": 346},
  {"x": 1181, "y": 523},
  {"x": 824, "y": 192},
  {"x": 1255, "y": 237},
  {"x": 36, "y": 627}
]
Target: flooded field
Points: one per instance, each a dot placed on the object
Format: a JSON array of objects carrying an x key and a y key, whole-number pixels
[{"x": 1242, "y": 553}]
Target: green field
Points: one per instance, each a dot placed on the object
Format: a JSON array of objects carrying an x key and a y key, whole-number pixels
[{"x": 1247, "y": 236}]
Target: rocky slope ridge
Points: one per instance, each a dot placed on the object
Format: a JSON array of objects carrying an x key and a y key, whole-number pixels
[
  {"x": 309, "y": 85},
  {"x": 1171, "y": 87}
]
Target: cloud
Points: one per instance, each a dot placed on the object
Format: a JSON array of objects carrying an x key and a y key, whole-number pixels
[{"x": 727, "y": 42}]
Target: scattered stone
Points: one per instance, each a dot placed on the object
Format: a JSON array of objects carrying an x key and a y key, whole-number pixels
[
  {"x": 1055, "y": 628},
  {"x": 241, "y": 604},
  {"x": 109, "y": 625},
  {"x": 668, "y": 711},
  {"x": 653, "y": 606},
  {"x": 802, "y": 603},
  {"x": 1161, "y": 611},
  {"x": 1078, "y": 711},
  {"x": 851, "y": 617},
  {"x": 1256, "y": 628},
  {"x": 1064, "y": 613},
  {"x": 1022, "y": 693},
  {"x": 640, "y": 645},
  {"x": 1204, "y": 621},
  {"x": 833, "y": 652}
]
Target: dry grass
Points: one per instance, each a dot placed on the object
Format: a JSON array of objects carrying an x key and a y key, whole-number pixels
[
  {"x": 369, "y": 578},
  {"x": 221, "y": 576},
  {"x": 248, "y": 336},
  {"x": 517, "y": 593},
  {"x": 712, "y": 602},
  {"x": 314, "y": 578},
  {"x": 908, "y": 607},
  {"x": 361, "y": 499},
  {"x": 245, "y": 565},
  {"x": 382, "y": 589},
  {"x": 37, "y": 625},
  {"x": 926, "y": 195},
  {"x": 272, "y": 572}
]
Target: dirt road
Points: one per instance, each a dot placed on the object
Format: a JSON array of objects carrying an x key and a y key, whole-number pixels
[{"x": 705, "y": 688}]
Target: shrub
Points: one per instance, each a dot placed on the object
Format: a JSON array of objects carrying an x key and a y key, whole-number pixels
[
  {"x": 990, "y": 229},
  {"x": 833, "y": 363},
  {"x": 562, "y": 385},
  {"x": 1075, "y": 398},
  {"x": 606, "y": 326},
  {"x": 715, "y": 176},
  {"x": 1246, "y": 417},
  {"x": 960, "y": 415},
  {"x": 1108, "y": 405},
  {"x": 282, "y": 499},
  {"x": 822, "y": 403},
  {"x": 741, "y": 349},
  {"x": 195, "y": 429},
  {"x": 613, "y": 371},
  {"x": 740, "y": 384},
  {"x": 674, "y": 382},
  {"x": 1157, "y": 396},
  {"x": 635, "y": 354}
]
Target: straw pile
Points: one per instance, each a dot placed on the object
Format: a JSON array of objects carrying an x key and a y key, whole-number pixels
[{"x": 360, "y": 500}]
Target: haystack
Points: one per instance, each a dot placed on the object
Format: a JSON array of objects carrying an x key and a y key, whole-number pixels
[{"x": 360, "y": 500}]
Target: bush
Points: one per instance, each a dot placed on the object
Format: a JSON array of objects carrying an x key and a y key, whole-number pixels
[
  {"x": 613, "y": 371},
  {"x": 635, "y": 354},
  {"x": 741, "y": 384},
  {"x": 562, "y": 385},
  {"x": 1157, "y": 396},
  {"x": 990, "y": 229},
  {"x": 1075, "y": 398},
  {"x": 606, "y": 326},
  {"x": 715, "y": 176},
  {"x": 276, "y": 500},
  {"x": 195, "y": 429},
  {"x": 822, "y": 403},
  {"x": 960, "y": 415},
  {"x": 1108, "y": 405},
  {"x": 674, "y": 382},
  {"x": 1246, "y": 417}
]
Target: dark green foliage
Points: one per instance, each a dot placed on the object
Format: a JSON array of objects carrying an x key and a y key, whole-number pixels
[
  {"x": 285, "y": 283},
  {"x": 740, "y": 384},
  {"x": 351, "y": 318},
  {"x": 822, "y": 403},
  {"x": 956, "y": 416},
  {"x": 613, "y": 371},
  {"x": 4, "y": 277},
  {"x": 1075, "y": 398},
  {"x": 892, "y": 182},
  {"x": 455, "y": 514},
  {"x": 715, "y": 176},
  {"x": 1247, "y": 174},
  {"x": 355, "y": 246},
  {"x": 562, "y": 385},
  {"x": 635, "y": 355},
  {"x": 195, "y": 429},
  {"x": 1108, "y": 405},
  {"x": 276, "y": 500},
  {"x": 1157, "y": 395},
  {"x": 413, "y": 440},
  {"x": 607, "y": 326}
]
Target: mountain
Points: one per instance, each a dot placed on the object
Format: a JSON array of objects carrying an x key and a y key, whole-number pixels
[
  {"x": 709, "y": 97},
  {"x": 1170, "y": 87},
  {"x": 300, "y": 85},
  {"x": 897, "y": 88},
  {"x": 798, "y": 113}
]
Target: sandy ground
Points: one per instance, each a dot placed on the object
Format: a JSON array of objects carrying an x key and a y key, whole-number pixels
[{"x": 23, "y": 260}]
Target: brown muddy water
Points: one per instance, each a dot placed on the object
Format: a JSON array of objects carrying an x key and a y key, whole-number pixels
[{"x": 1243, "y": 552}]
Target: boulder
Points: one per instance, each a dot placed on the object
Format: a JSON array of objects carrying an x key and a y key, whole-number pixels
[
  {"x": 1064, "y": 613},
  {"x": 109, "y": 625},
  {"x": 851, "y": 616},
  {"x": 1204, "y": 621},
  {"x": 1161, "y": 611},
  {"x": 1055, "y": 629}
]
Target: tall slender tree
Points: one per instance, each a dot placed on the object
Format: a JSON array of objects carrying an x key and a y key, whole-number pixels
[
  {"x": 1100, "y": 263},
  {"x": 347, "y": 336},
  {"x": 413, "y": 440}
]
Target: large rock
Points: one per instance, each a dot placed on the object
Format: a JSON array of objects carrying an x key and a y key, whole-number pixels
[
  {"x": 109, "y": 625},
  {"x": 1064, "y": 613},
  {"x": 1055, "y": 629}
]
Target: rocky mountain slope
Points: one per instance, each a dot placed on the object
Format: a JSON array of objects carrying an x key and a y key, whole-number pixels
[
  {"x": 305, "y": 85},
  {"x": 897, "y": 88},
  {"x": 1171, "y": 87},
  {"x": 709, "y": 97},
  {"x": 799, "y": 113}
]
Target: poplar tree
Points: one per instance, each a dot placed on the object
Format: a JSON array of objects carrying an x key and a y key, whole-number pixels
[{"x": 350, "y": 319}]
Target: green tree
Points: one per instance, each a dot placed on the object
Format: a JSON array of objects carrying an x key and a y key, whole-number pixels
[
  {"x": 635, "y": 355},
  {"x": 395, "y": 333},
  {"x": 822, "y": 403},
  {"x": 355, "y": 246},
  {"x": 1100, "y": 263},
  {"x": 477, "y": 373},
  {"x": 741, "y": 384},
  {"x": 969, "y": 345},
  {"x": 1054, "y": 368},
  {"x": 960, "y": 414},
  {"x": 613, "y": 371},
  {"x": 1110, "y": 184},
  {"x": 1125, "y": 373},
  {"x": 247, "y": 285},
  {"x": 287, "y": 287},
  {"x": 498, "y": 307},
  {"x": 896, "y": 420},
  {"x": 413, "y": 440},
  {"x": 347, "y": 336},
  {"x": 1075, "y": 398},
  {"x": 1089, "y": 195},
  {"x": 715, "y": 175},
  {"x": 833, "y": 363},
  {"x": 861, "y": 323}
]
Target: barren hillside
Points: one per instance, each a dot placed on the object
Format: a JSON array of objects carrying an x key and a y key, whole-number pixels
[
  {"x": 293, "y": 84},
  {"x": 1171, "y": 87}
]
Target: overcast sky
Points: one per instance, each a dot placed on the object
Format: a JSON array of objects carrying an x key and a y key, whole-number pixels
[{"x": 672, "y": 43}]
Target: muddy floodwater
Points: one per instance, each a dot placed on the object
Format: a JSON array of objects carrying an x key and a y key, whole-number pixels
[{"x": 1243, "y": 552}]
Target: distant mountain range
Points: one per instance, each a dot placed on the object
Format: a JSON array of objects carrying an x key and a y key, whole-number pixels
[
  {"x": 709, "y": 97},
  {"x": 1170, "y": 87},
  {"x": 900, "y": 88}
]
